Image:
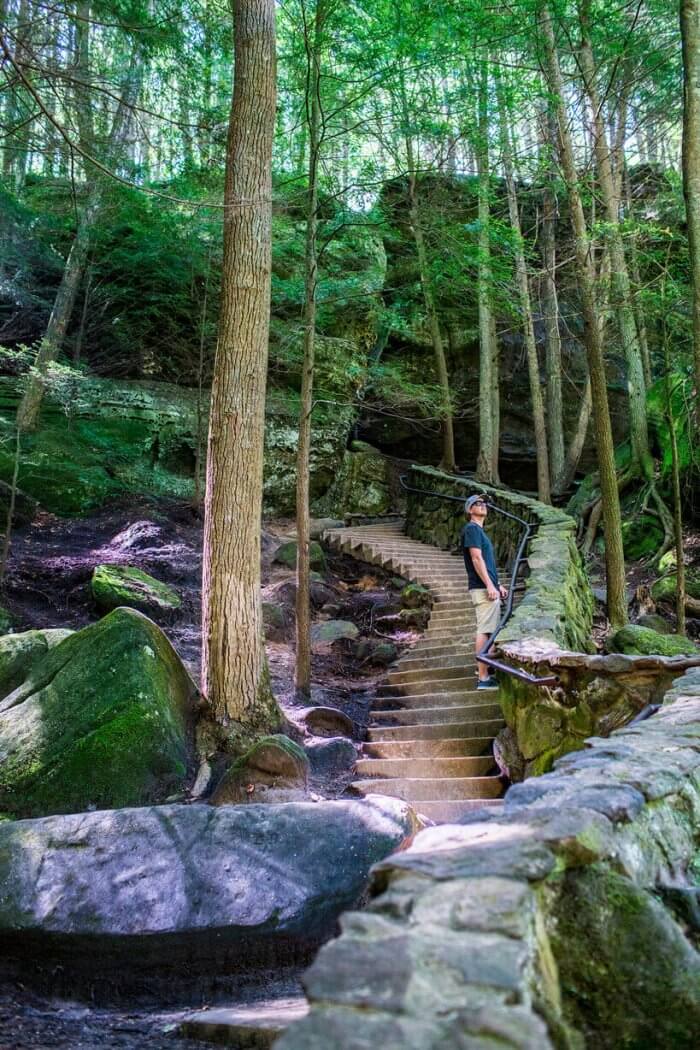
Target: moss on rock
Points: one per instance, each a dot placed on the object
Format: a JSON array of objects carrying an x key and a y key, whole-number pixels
[
  {"x": 664, "y": 590},
  {"x": 629, "y": 977},
  {"x": 100, "y": 721},
  {"x": 116, "y": 585},
  {"x": 332, "y": 630},
  {"x": 415, "y": 596},
  {"x": 19, "y": 653},
  {"x": 103, "y": 438},
  {"x": 635, "y": 640}
]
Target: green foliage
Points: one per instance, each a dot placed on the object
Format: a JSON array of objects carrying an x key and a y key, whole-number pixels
[{"x": 678, "y": 390}]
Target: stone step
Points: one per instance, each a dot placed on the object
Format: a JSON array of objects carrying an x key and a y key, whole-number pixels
[
  {"x": 443, "y": 636},
  {"x": 425, "y": 768},
  {"x": 438, "y": 789},
  {"x": 436, "y": 715},
  {"x": 429, "y": 652},
  {"x": 449, "y": 747},
  {"x": 437, "y": 674},
  {"x": 451, "y": 812},
  {"x": 409, "y": 703},
  {"x": 255, "y": 1026},
  {"x": 466, "y": 728},
  {"x": 463, "y": 659},
  {"x": 424, "y": 686}
]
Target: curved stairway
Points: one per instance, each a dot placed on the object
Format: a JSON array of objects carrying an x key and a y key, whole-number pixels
[{"x": 431, "y": 732}]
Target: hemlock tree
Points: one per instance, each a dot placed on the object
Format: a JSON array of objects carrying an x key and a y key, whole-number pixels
[{"x": 235, "y": 678}]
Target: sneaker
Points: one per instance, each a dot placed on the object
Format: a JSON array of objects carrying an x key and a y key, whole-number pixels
[{"x": 487, "y": 683}]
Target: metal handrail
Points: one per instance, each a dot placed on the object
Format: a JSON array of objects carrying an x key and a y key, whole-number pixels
[{"x": 482, "y": 656}]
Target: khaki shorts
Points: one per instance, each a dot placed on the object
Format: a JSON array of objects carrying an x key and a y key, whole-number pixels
[{"x": 488, "y": 612}]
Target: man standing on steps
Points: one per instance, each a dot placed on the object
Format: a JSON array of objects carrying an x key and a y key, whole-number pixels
[{"x": 484, "y": 588}]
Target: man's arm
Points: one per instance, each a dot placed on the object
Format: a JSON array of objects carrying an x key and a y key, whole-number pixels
[{"x": 482, "y": 572}]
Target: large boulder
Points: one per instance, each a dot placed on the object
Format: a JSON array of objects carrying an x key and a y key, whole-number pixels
[
  {"x": 190, "y": 886},
  {"x": 103, "y": 438},
  {"x": 275, "y": 769},
  {"x": 334, "y": 757},
  {"x": 635, "y": 640},
  {"x": 101, "y": 720},
  {"x": 116, "y": 585},
  {"x": 328, "y": 721}
]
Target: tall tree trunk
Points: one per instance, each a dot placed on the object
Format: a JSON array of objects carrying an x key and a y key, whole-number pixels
[
  {"x": 235, "y": 678},
  {"x": 533, "y": 366},
  {"x": 550, "y": 309},
  {"x": 489, "y": 437},
  {"x": 61, "y": 312},
  {"x": 614, "y": 555},
  {"x": 620, "y": 282},
  {"x": 635, "y": 274},
  {"x": 690, "y": 33},
  {"x": 302, "y": 678}
]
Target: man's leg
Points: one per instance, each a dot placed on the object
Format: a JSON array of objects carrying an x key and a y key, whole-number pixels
[{"x": 482, "y": 669}]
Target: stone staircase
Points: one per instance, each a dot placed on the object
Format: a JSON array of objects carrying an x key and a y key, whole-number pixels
[{"x": 431, "y": 732}]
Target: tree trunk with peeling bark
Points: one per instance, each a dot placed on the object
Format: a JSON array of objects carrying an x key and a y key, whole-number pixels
[{"x": 235, "y": 677}]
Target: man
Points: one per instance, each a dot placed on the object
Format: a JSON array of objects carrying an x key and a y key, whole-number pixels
[{"x": 484, "y": 588}]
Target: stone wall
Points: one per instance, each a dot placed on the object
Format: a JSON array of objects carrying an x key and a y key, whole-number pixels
[
  {"x": 569, "y": 920},
  {"x": 549, "y": 632}
]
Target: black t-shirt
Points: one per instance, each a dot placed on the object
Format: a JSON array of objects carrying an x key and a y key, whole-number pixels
[{"x": 474, "y": 536}]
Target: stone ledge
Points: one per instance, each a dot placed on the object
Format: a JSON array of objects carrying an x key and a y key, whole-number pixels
[{"x": 558, "y": 921}]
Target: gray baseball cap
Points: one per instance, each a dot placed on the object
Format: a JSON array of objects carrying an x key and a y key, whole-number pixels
[{"x": 468, "y": 504}]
